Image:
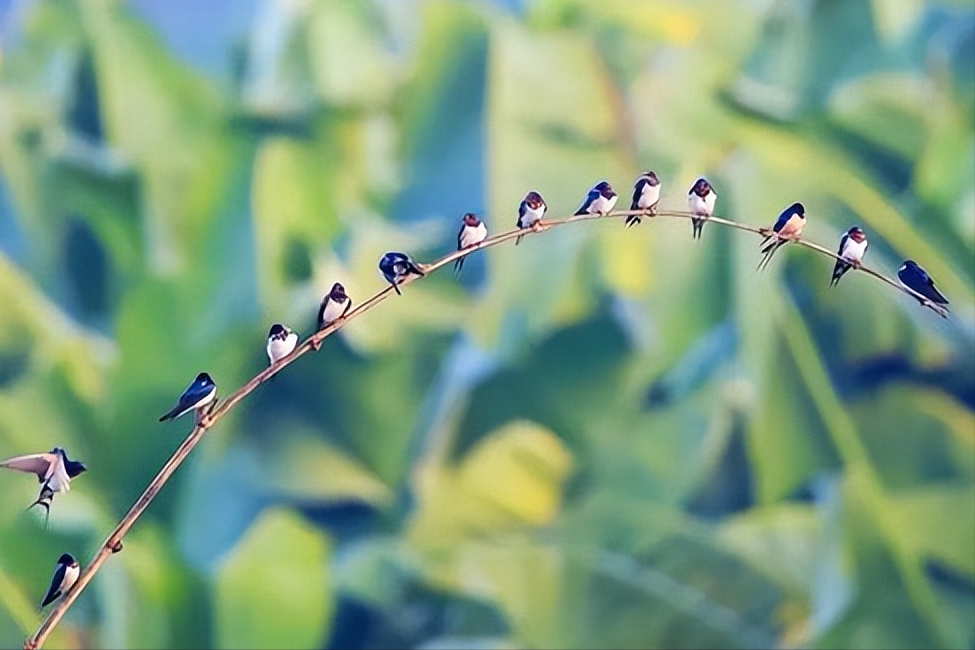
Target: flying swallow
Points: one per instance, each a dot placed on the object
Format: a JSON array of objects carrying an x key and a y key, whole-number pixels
[
  {"x": 530, "y": 213},
  {"x": 646, "y": 195},
  {"x": 917, "y": 279},
  {"x": 700, "y": 201},
  {"x": 853, "y": 245},
  {"x": 54, "y": 471},
  {"x": 197, "y": 395},
  {"x": 396, "y": 266},
  {"x": 600, "y": 200},
  {"x": 281, "y": 341},
  {"x": 787, "y": 227},
  {"x": 472, "y": 231},
  {"x": 65, "y": 576}
]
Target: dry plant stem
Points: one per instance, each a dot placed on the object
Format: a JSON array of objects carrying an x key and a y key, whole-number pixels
[
  {"x": 114, "y": 541},
  {"x": 764, "y": 232}
]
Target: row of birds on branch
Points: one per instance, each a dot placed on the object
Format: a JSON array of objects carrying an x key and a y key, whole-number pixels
[{"x": 55, "y": 470}]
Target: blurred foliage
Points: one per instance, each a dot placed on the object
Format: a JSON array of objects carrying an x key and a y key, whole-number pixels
[{"x": 601, "y": 438}]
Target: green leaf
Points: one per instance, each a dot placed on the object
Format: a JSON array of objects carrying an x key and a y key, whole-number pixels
[
  {"x": 939, "y": 522},
  {"x": 894, "y": 18},
  {"x": 888, "y": 109},
  {"x": 512, "y": 478},
  {"x": 779, "y": 542},
  {"x": 335, "y": 29},
  {"x": 326, "y": 472},
  {"x": 273, "y": 591}
]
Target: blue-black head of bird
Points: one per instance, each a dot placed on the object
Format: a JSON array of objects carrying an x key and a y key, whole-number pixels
[
  {"x": 534, "y": 200},
  {"x": 72, "y": 467},
  {"x": 471, "y": 220},
  {"x": 337, "y": 293},
  {"x": 701, "y": 187},
  {"x": 278, "y": 331},
  {"x": 203, "y": 379},
  {"x": 605, "y": 189}
]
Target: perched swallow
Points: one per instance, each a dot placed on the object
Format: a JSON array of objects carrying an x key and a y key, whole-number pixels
[
  {"x": 646, "y": 195},
  {"x": 700, "y": 201},
  {"x": 335, "y": 305},
  {"x": 530, "y": 213},
  {"x": 472, "y": 231},
  {"x": 853, "y": 245},
  {"x": 54, "y": 471},
  {"x": 197, "y": 395},
  {"x": 396, "y": 266},
  {"x": 65, "y": 575},
  {"x": 600, "y": 200},
  {"x": 917, "y": 279},
  {"x": 281, "y": 341},
  {"x": 787, "y": 227}
]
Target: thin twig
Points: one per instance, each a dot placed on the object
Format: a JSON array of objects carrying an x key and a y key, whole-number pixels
[
  {"x": 113, "y": 543},
  {"x": 765, "y": 232}
]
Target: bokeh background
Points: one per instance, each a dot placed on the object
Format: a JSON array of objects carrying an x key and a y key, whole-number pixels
[{"x": 601, "y": 438}]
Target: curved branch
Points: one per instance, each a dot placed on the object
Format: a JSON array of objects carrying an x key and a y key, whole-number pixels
[
  {"x": 113, "y": 543},
  {"x": 765, "y": 232}
]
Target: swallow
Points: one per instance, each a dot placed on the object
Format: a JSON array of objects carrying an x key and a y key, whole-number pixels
[
  {"x": 281, "y": 341},
  {"x": 917, "y": 280},
  {"x": 335, "y": 305},
  {"x": 646, "y": 195},
  {"x": 600, "y": 200},
  {"x": 853, "y": 245},
  {"x": 700, "y": 201},
  {"x": 787, "y": 227},
  {"x": 397, "y": 266},
  {"x": 530, "y": 213},
  {"x": 65, "y": 575},
  {"x": 54, "y": 471},
  {"x": 472, "y": 231},
  {"x": 197, "y": 395}
]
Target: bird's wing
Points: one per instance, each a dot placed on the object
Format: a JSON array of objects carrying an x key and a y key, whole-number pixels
[
  {"x": 460, "y": 235},
  {"x": 38, "y": 464},
  {"x": 845, "y": 238},
  {"x": 638, "y": 190},
  {"x": 196, "y": 392},
  {"x": 932, "y": 291},
  {"x": 782, "y": 220},
  {"x": 592, "y": 196},
  {"x": 321, "y": 310},
  {"x": 55, "y": 589}
]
